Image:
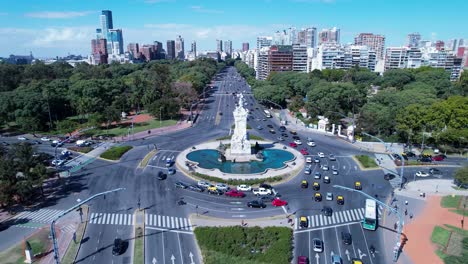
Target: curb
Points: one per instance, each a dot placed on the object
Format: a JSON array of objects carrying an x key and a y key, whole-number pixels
[
  {"x": 150, "y": 155},
  {"x": 142, "y": 212},
  {"x": 235, "y": 222},
  {"x": 84, "y": 231}
]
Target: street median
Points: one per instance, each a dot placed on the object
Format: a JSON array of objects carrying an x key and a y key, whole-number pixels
[
  {"x": 74, "y": 246},
  {"x": 139, "y": 231}
]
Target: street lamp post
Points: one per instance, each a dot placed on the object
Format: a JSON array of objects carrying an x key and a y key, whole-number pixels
[
  {"x": 396, "y": 250},
  {"x": 401, "y": 157},
  {"x": 52, "y": 225}
]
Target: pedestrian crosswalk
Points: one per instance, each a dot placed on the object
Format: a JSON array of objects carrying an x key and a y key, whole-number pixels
[
  {"x": 151, "y": 220},
  {"x": 338, "y": 217},
  {"x": 39, "y": 216}
]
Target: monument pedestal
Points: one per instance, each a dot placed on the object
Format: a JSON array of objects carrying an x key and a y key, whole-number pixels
[{"x": 239, "y": 157}]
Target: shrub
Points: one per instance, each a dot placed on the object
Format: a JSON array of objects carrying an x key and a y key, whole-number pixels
[
  {"x": 114, "y": 153},
  {"x": 236, "y": 181}
]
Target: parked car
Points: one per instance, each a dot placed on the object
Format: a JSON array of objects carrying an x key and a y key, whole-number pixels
[
  {"x": 235, "y": 193},
  {"x": 256, "y": 204},
  {"x": 279, "y": 202},
  {"x": 195, "y": 188},
  {"x": 180, "y": 185},
  {"x": 244, "y": 188}
]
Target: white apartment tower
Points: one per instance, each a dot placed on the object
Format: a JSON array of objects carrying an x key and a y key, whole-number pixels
[
  {"x": 299, "y": 57},
  {"x": 412, "y": 40},
  {"x": 331, "y": 35},
  {"x": 179, "y": 48},
  {"x": 264, "y": 41},
  {"x": 228, "y": 47}
]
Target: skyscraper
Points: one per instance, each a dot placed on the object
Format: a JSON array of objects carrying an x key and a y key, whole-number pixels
[
  {"x": 219, "y": 45},
  {"x": 170, "y": 55},
  {"x": 115, "y": 41},
  {"x": 134, "y": 49},
  {"x": 245, "y": 46},
  {"x": 264, "y": 41},
  {"x": 194, "y": 48},
  {"x": 412, "y": 40},
  {"x": 106, "y": 24},
  {"x": 158, "y": 50},
  {"x": 179, "y": 48},
  {"x": 99, "y": 51},
  {"x": 228, "y": 47},
  {"x": 331, "y": 35},
  {"x": 375, "y": 42}
]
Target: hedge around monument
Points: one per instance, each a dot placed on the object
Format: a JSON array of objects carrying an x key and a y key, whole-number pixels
[{"x": 236, "y": 181}]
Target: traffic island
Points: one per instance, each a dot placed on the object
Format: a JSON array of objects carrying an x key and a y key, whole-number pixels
[
  {"x": 115, "y": 153},
  {"x": 139, "y": 242},
  {"x": 74, "y": 246},
  {"x": 365, "y": 162},
  {"x": 147, "y": 158},
  {"x": 40, "y": 243}
]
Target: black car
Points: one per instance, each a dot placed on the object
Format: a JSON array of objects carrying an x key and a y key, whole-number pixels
[
  {"x": 266, "y": 186},
  {"x": 272, "y": 131},
  {"x": 266, "y": 198},
  {"x": 346, "y": 237},
  {"x": 389, "y": 176},
  {"x": 36, "y": 142},
  {"x": 296, "y": 137},
  {"x": 282, "y": 128},
  {"x": 409, "y": 154},
  {"x": 181, "y": 185},
  {"x": 327, "y": 211},
  {"x": 161, "y": 175},
  {"x": 270, "y": 125},
  {"x": 425, "y": 159},
  {"x": 435, "y": 171},
  {"x": 256, "y": 204},
  {"x": 216, "y": 192},
  {"x": 195, "y": 188},
  {"x": 119, "y": 247}
]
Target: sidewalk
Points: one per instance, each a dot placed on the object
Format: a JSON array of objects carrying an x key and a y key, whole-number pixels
[
  {"x": 181, "y": 124},
  {"x": 82, "y": 160},
  {"x": 437, "y": 187}
]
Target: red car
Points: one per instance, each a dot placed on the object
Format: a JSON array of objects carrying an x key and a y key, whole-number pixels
[
  {"x": 292, "y": 144},
  {"x": 235, "y": 193},
  {"x": 438, "y": 158},
  {"x": 302, "y": 260},
  {"x": 304, "y": 152},
  {"x": 279, "y": 202}
]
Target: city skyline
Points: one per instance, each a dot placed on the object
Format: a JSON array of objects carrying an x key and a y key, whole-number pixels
[{"x": 48, "y": 31}]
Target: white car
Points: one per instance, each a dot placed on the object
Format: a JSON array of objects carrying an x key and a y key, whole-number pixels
[
  {"x": 311, "y": 143},
  {"x": 329, "y": 196},
  {"x": 222, "y": 187},
  {"x": 204, "y": 184},
  {"x": 318, "y": 245},
  {"x": 309, "y": 159},
  {"x": 321, "y": 154},
  {"x": 422, "y": 174},
  {"x": 335, "y": 172},
  {"x": 45, "y": 139},
  {"x": 244, "y": 188},
  {"x": 325, "y": 167},
  {"x": 58, "y": 162},
  {"x": 261, "y": 191},
  {"x": 22, "y": 138},
  {"x": 298, "y": 142}
]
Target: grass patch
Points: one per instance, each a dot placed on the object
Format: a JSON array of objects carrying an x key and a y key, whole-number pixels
[
  {"x": 255, "y": 137},
  {"x": 73, "y": 247},
  {"x": 39, "y": 241},
  {"x": 366, "y": 161},
  {"x": 450, "y": 202},
  {"x": 251, "y": 245},
  {"x": 81, "y": 149},
  {"x": 123, "y": 129},
  {"x": 114, "y": 153},
  {"x": 139, "y": 245},
  {"x": 236, "y": 181},
  {"x": 440, "y": 236}
]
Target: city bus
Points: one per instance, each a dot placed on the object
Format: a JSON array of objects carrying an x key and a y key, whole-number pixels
[
  {"x": 267, "y": 113},
  {"x": 370, "y": 218}
]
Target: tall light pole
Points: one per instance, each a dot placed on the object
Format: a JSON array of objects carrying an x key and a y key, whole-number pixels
[
  {"x": 52, "y": 225},
  {"x": 160, "y": 116},
  {"x": 396, "y": 250},
  {"x": 401, "y": 157}
]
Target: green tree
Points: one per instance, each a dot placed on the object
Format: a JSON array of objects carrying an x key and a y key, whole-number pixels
[
  {"x": 461, "y": 175},
  {"x": 67, "y": 126},
  {"x": 397, "y": 78}
]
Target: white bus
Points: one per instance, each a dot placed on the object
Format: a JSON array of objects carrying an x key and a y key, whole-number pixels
[
  {"x": 267, "y": 113},
  {"x": 370, "y": 218}
]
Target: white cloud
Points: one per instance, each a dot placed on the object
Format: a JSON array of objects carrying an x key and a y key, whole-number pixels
[
  {"x": 200, "y": 9},
  {"x": 57, "y": 37},
  {"x": 58, "y": 15}
]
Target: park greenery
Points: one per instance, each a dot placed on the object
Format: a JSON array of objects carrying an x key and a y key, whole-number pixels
[
  {"x": 461, "y": 176},
  {"x": 22, "y": 175},
  {"x": 61, "y": 98},
  {"x": 401, "y": 105},
  {"x": 247, "y": 245},
  {"x": 366, "y": 161},
  {"x": 115, "y": 152}
]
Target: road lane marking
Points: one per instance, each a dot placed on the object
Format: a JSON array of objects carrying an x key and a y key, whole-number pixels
[
  {"x": 339, "y": 247},
  {"x": 325, "y": 227},
  {"x": 367, "y": 245},
  {"x": 180, "y": 249}
]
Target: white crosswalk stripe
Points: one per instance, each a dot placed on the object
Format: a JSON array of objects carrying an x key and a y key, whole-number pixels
[
  {"x": 153, "y": 220},
  {"x": 338, "y": 217},
  {"x": 39, "y": 216}
]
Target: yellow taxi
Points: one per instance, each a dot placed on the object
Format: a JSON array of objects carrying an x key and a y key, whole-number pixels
[
  {"x": 357, "y": 185},
  {"x": 303, "y": 222},
  {"x": 212, "y": 188},
  {"x": 356, "y": 261},
  {"x": 317, "y": 197},
  {"x": 316, "y": 186},
  {"x": 340, "y": 199},
  {"x": 304, "y": 184}
]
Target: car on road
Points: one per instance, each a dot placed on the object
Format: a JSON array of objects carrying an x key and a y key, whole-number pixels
[
  {"x": 293, "y": 132},
  {"x": 325, "y": 167},
  {"x": 327, "y": 211},
  {"x": 161, "y": 175},
  {"x": 284, "y": 135},
  {"x": 304, "y": 184},
  {"x": 317, "y": 245},
  {"x": 326, "y": 179},
  {"x": 171, "y": 171},
  {"x": 266, "y": 198},
  {"x": 438, "y": 158},
  {"x": 357, "y": 185},
  {"x": 302, "y": 260},
  {"x": 304, "y": 152},
  {"x": 389, "y": 176},
  {"x": 195, "y": 188},
  {"x": 340, "y": 199},
  {"x": 36, "y": 142},
  {"x": 309, "y": 159},
  {"x": 425, "y": 159},
  {"x": 22, "y": 138},
  {"x": 235, "y": 193},
  {"x": 5, "y": 143},
  {"x": 272, "y": 131},
  {"x": 270, "y": 125},
  {"x": 435, "y": 171},
  {"x": 317, "y": 197},
  {"x": 215, "y": 191},
  {"x": 266, "y": 186},
  {"x": 119, "y": 247},
  {"x": 204, "y": 184},
  {"x": 298, "y": 142},
  {"x": 329, "y": 196},
  {"x": 310, "y": 143},
  {"x": 292, "y": 144},
  {"x": 256, "y": 204},
  {"x": 58, "y": 162},
  {"x": 261, "y": 191},
  {"x": 280, "y": 138},
  {"x": 316, "y": 186},
  {"x": 244, "y": 188},
  {"x": 180, "y": 185},
  {"x": 335, "y": 172},
  {"x": 278, "y": 202},
  {"x": 307, "y": 171},
  {"x": 45, "y": 139},
  {"x": 409, "y": 154},
  {"x": 303, "y": 222},
  {"x": 317, "y": 175},
  {"x": 346, "y": 237},
  {"x": 331, "y": 157},
  {"x": 321, "y": 154},
  {"x": 336, "y": 259},
  {"x": 282, "y": 128},
  {"x": 259, "y": 127},
  {"x": 356, "y": 261},
  {"x": 316, "y": 160},
  {"x": 421, "y": 174},
  {"x": 222, "y": 187}
]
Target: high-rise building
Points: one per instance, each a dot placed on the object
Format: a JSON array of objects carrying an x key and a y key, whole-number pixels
[
  {"x": 228, "y": 47},
  {"x": 194, "y": 48},
  {"x": 307, "y": 37},
  {"x": 413, "y": 39},
  {"x": 299, "y": 58},
  {"x": 245, "y": 46},
  {"x": 396, "y": 58},
  {"x": 264, "y": 41},
  {"x": 115, "y": 41},
  {"x": 262, "y": 69},
  {"x": 147, "y": 52},
  {"x": 280, "y": 38},
  {"x": 179, "y": 48},
  {"x": 170, "y": 50},
  {"x": 331, "y": 35},
  {"x": 99, "y": 51},
  {"x": 134, "y": 49},
  {"x": 219, "y": 45},
  {"x": 439, "y": 45},
  {"x": 280, "y": 58},
  {"x": 335, "y": 56},
  {"x": 158, "y": 50},
  {"x": 375, "y": 42},
  {"x": 99, "y": 33},
  {"x": 291, "y": 36},
  {"x": 452, "y": 45}
]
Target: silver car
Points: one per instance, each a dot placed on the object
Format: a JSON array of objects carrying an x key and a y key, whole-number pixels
[{"x": 318, "y": 245}]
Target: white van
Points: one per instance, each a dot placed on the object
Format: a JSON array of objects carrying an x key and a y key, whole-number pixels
[{"x": 81, "y": 143}]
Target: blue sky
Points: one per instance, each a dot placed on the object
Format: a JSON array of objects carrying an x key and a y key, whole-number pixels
[{"x": 59, "y": 27}]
